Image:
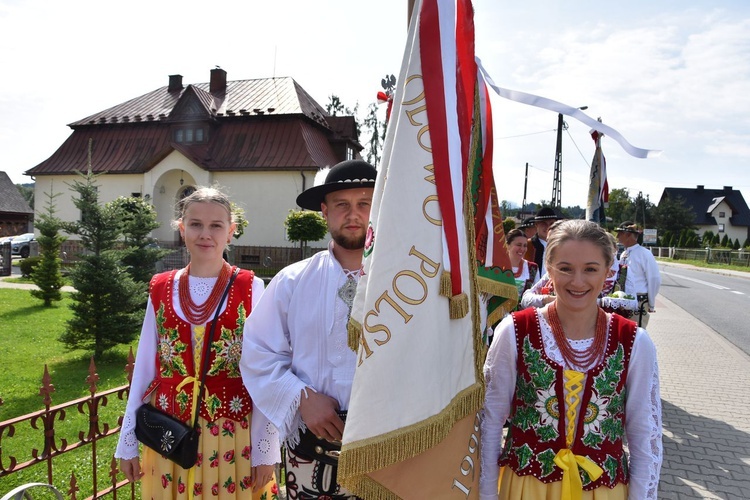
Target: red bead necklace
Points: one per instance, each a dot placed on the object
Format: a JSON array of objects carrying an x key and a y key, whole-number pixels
[
  {"x": 199, "y": 314},
  {"x": 572, "y": 357},
  {"x": 518, "y": 273}
]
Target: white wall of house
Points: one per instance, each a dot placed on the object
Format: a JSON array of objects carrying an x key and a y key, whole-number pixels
[
  {"x": 721, "y": 214},
  {"x": 266, "y": 197}
]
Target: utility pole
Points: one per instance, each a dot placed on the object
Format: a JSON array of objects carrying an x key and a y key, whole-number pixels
[
  {"x": 557, "y": 179},
  {"x": 525, "y": 185}
]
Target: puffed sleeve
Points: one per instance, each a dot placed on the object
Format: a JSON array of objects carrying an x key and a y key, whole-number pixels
[
  {"x": 143, "y": 374},
  {"x": 266, "y": 362},
  {"x": 643, "y": 419},
  {"x": 500, "y": 380}
]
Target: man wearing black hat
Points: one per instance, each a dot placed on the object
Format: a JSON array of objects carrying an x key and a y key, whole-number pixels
[
  {"x": 296, "y": 363},
  {"x": 642, "y": 278},
  {"x": 543, "y": 219},
  {"x": 528, "y": 227}
]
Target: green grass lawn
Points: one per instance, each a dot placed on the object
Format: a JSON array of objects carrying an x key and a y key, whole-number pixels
[{"x": 28, "y": 342}]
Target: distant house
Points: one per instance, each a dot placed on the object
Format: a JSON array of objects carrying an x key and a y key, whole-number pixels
[
  {"x": 262, "y": 140},
  {"x": 16, "y": 215},
  {"x": 722, "y": 211}
]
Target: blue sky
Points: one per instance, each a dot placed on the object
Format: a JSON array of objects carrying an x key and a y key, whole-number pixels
[{"x": 668, "y": 75}]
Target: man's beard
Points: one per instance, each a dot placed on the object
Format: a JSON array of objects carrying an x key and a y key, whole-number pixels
[{"x": 353, "y": 243}]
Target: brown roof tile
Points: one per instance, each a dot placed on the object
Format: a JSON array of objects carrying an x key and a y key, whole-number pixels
[{"x": 262, "y": 124}]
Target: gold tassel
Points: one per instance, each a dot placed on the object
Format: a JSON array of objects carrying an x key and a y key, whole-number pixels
[
  {"x": 446, "y": 290},
  {"x": 354, "y": 333},
  {"x": 458, "y": 306}
]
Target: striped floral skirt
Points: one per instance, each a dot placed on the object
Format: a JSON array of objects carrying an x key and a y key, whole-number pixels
[{"x": 222, "y": 471}]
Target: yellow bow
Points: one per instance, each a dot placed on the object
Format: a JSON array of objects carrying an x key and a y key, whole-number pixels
[{"x": 569, "y": 462}]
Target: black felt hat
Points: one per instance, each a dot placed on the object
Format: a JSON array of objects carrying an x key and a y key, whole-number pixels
[
  {"x": 628, "y": 226},
  {"x": 546, "y": 213},
  {"x": 348, "y": 174},
  {"x": 527, "y": 222}
]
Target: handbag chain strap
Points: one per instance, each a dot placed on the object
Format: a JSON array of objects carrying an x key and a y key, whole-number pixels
[{"x": 207, "y": 346}]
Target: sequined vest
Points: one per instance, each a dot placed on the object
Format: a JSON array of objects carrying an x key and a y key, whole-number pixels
[
  {"x": 225, "y": 395},
  {"x": 537, "y": 419}
]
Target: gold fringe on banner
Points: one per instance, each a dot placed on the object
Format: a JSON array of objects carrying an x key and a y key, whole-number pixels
[
  {"x": 458, "y": 305},
  {"x": 354, "y": 334},
  {"x": 497, "y": 288},
  {"x": 446, "y": 290},
  {"x": 381, "y": 451}
]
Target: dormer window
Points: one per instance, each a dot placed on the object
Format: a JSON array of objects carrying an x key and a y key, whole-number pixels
[{"x": 190, "y": 135}]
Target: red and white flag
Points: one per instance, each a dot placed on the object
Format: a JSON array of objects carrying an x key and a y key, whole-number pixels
[{"x": 434, "y": 257}]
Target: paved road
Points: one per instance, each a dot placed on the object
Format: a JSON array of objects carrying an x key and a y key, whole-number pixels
[
  {"x": 705, "y": 389},
  {"x": 721, "y": 301}
]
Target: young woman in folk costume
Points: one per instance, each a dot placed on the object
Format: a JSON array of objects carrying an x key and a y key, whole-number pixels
[
  {"x": 526, "y": 273},
  {"x": 575, "y": 384},
  {"x": 238, "y": 447}
]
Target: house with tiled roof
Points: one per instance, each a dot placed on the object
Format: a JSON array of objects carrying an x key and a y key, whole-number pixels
[
  {"x": 16, "y": 215},
  {"x": 261, "y": 140},
  {"x": 721, "y": 211}
]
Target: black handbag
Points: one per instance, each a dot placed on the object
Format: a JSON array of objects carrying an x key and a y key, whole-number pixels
[
  {"x": 311, "y": 447},
  {"x": 171, "y": 437}
]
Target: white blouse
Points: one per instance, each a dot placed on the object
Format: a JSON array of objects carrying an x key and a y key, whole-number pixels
[
  {"x": 643, "y": 426},
  {"x": 265, "y": 447}
]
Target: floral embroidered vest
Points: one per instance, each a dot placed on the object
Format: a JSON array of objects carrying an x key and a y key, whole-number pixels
[
  {"x": 225, "y": 395},
  {"x": 537, "y": 431}
]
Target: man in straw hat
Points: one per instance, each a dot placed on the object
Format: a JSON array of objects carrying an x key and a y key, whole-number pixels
[
  {"x": 544, "y": 218},
  {"x": 295, "y": 360},
  {"x": 642, "y": 278}
]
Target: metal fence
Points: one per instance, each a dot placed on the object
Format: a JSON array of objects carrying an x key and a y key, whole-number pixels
[
  {"x": 708, "y": 255},
  {"x": 45, "y": 426}
]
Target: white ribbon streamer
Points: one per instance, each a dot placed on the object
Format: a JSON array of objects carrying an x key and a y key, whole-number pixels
[{"x": 558, "y": 107}]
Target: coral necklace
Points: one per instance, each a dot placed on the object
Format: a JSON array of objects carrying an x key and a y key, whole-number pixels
[
  {"x": 518, "y": 273},
  {"x": 199, "y": 314},
  {"x": 585, "y": 358}
]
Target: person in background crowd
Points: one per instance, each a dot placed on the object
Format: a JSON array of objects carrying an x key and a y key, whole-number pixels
[
  {"x": 642, "y": 277},
  {"x": 526, "y": 273},
  {"x": 296, "y": 361},
  {"x": 239, "y": 448},
  {"x": 543, "y": 219},
  {"x": 528, "y": 227},
  {"x": 576, "y": 384}
]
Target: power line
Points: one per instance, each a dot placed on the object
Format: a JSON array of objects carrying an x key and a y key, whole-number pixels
[{"x": 526, "y": 135}]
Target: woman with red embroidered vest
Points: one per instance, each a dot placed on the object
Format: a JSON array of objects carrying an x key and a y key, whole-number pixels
[
  {"x": 575, "y": 384},
  {"x": 525, "y": 272},
  {"x": 238, "y": 447}
]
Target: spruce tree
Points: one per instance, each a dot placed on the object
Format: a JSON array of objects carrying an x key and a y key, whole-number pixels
[
  {"x": 107, "y": 303},
  {"x": 137, "y": 220},
  {"x": 46, "y": 275}
]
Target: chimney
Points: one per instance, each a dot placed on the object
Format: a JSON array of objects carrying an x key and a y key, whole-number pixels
[
  {"x": 700, "y": 187},
  {"x": 728, "y": 189},
  {"x": 175, "y": 83},
  {"x": 218, "y": 80}
]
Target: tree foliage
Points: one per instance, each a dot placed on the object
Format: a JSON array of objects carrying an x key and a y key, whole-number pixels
[
  {"x": 27, "y": 191},
  {"x": 47, "y": 275},
  {"x": 107, "y": 303},
  {"x": 304, "y": 226},
  {"x": 137, "y": 218},
  {"x": 673, "y": 214}
]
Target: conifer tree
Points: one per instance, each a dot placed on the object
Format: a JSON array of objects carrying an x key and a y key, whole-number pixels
[
  {"x": 47, "y": 275},
  {"x": 137, "y": 220},
  {"x": 107, "y": 303}
]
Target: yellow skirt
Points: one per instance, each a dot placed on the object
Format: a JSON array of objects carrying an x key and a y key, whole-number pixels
[
  {"x": 514, "y": 487},
  {"x": 222, "y": 471}
]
